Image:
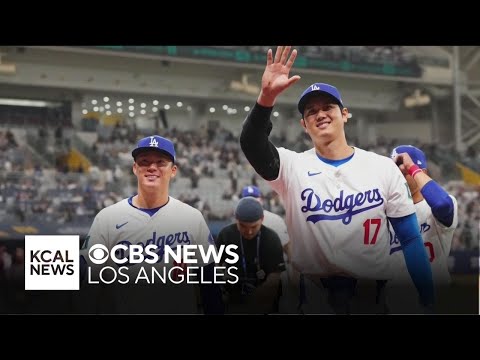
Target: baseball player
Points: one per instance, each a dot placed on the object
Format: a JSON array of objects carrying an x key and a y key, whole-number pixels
[
  {"x": 152, "y": 217},
  {"x": 437, "y": 215},
  {"x": 338, "y": 198}
]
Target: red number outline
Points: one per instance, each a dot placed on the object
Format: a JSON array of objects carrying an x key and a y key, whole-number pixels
[
  {"x": 429, "y": 246},
  {"x": 366, "y": 234}
]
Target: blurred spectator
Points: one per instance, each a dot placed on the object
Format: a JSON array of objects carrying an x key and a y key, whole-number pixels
[{"x": 260, "y": 261}]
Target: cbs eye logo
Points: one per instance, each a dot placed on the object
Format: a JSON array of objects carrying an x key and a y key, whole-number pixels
[{"x": 98, "y": 254}]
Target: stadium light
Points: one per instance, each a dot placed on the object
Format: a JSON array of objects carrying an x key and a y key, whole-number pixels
[
  {"x": 28, "y": 103},
  {"x": 7, "y": 68},
  {"x": 417, "y": 99},
  {"x": 244, "y": 86}
]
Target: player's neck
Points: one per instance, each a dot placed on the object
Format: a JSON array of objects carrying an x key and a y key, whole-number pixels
[
  {"x": 334, "y": 150},
  {"x": 147, "y": 200}
]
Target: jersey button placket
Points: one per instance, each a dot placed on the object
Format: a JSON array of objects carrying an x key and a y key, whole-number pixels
[{"x": 337, "y": 179}]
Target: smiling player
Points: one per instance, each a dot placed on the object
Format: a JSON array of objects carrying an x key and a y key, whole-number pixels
[
  {"x": 153, "y": 217},
  {"x": 337, "y": 197}
]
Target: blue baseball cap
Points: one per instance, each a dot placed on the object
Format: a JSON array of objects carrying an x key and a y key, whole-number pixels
[
  {"x": 155, "y": 142},
  {"x": 319, "y": 88},
  {"x": 251, "y": 190},
  {"x": 417, "y": 155},
  {"x": 248, "y": 210}
]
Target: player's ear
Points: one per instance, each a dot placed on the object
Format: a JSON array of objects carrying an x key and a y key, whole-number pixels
[
  {"x": 345, "y": 114},
  {"x": 174, "y": 171},
  {"x": 302, "y": 123},
  {"x": 134, "y": 168}
]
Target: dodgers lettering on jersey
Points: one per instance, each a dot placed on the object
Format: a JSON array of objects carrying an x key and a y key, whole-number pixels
[
  {"x": 337, "y": 216},
  {"x": 351, "y": 203},
  {"x": 437, "y": 239},
  {"x": 171, "y": 240}
]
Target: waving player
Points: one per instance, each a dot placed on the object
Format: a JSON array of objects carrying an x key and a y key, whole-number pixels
[
  {"x": 337, "y": 197},
  {"x": 152, "y": 217},
  {"x": 437, "y": 214}
]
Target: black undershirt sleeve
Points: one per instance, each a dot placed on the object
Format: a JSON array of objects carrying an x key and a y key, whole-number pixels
[{"x": 256, "y": 146}]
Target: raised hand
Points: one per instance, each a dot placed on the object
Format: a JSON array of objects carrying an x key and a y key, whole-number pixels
[
  {"x": 404, "y": 161},
  {"x": 275, "y": 78}
]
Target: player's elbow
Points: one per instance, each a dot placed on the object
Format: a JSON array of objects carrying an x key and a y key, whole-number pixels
[{"x": 444, "y": 211}]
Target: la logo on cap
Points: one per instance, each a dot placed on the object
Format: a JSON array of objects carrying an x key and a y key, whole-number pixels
[
  {"x": 315, "y": 87},
  {"x": 153, "y": 141}
]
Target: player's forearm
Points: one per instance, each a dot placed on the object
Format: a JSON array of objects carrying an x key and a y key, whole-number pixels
[
  {"x": 420, "y": 270},
  {"x": 421, "y": 179},
  {"x": 416, "y": 259},
  {"x": 256, "y": 146},
  {"x": 439, "y": 201},
  {"x": 437, "y": 198}
]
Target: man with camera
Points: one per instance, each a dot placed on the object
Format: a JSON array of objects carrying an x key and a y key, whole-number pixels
[{"x": 260, "y": 263}]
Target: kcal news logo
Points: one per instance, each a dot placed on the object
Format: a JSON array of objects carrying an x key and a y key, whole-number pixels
[{"x": 52, "y": 262}]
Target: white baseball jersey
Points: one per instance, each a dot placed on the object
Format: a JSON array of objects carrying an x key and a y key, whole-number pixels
[
  {"x": 337, "y": 216},
  {"x": 174, "y": 224},
  {"x": 437, "y": 239},
  {"x": 277, "y": 224}
]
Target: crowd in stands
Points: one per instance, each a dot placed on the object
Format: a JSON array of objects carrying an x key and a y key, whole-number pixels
[
  {"x": 395, "y": 55},
  {"x": 212, "y": 170}
]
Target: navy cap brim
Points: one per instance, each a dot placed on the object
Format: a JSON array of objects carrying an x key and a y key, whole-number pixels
[
  {"x": 303, "y": 101},
  {"x": 138, "y": 151}
]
